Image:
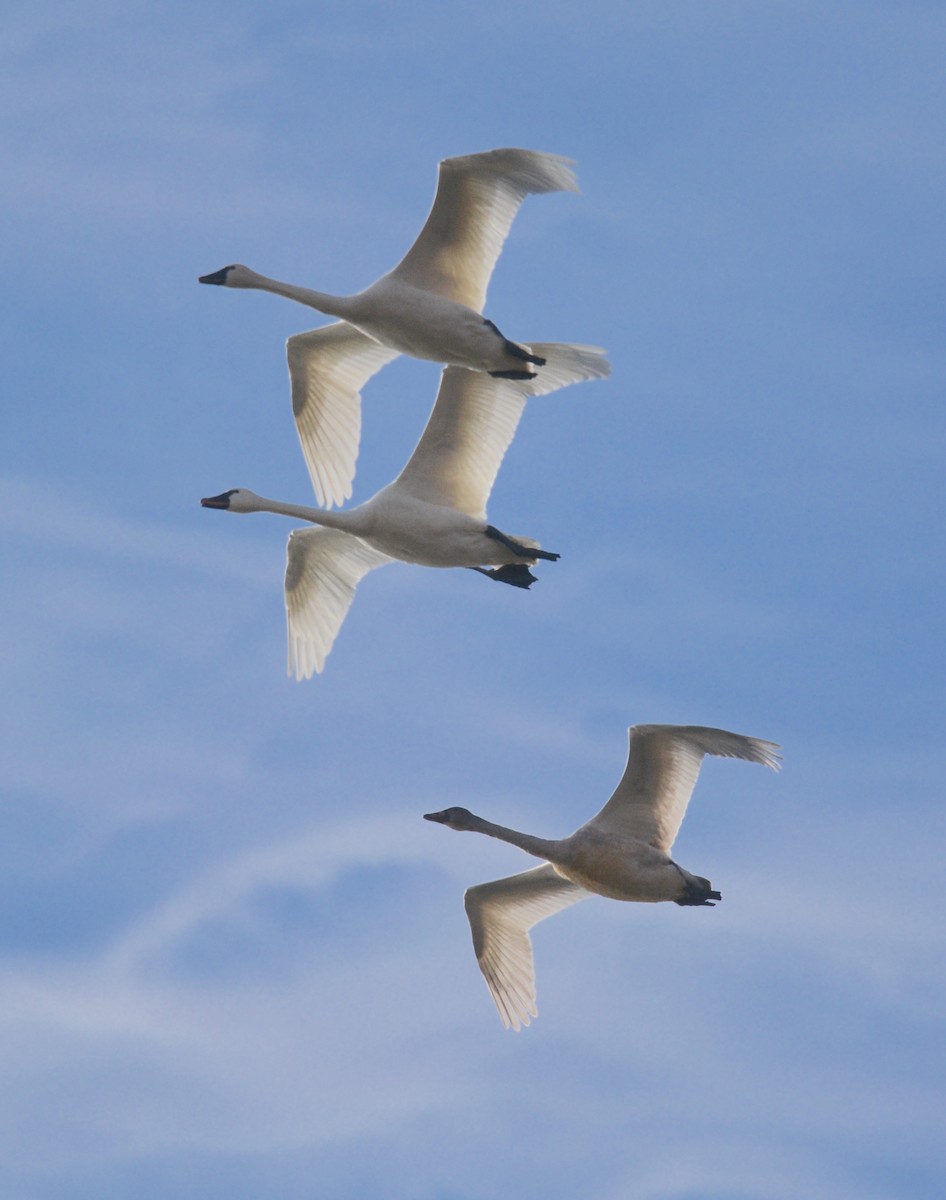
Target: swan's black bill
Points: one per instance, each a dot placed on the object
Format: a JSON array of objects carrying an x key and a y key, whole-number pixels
[
  {"x": 440, "y": 818},
  {"x": 219, "y": 277},
  {"x": 221, "y": 501}
]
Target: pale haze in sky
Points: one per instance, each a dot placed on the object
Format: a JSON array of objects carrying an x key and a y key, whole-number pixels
[{"x": 234, "y": 961}]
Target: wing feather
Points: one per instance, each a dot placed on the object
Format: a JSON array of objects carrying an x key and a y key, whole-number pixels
[
  {"x": 323, "y": 569},
  {"x": 501, "y": 913},
  {"x": 477, "y": 198},
  {"x": 327, "y": 369},
  {"x": 663, "y": 763},
  {"x": 467, "y": 434},
  {"x": 473, "y": 422}
]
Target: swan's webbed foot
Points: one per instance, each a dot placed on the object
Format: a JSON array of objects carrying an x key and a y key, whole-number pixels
[
  {"x": 695, "y": 896},
  {"x": 514, "y": 350},
  {"x": 515, "y": 574},
  {"x": 700, "y": 901},
  {"x": 511, "y": 374},
  {"x": 697, "y": 891},
  {"x": 531, "y": 552}
]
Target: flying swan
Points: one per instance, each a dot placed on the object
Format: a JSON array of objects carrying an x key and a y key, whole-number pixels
[
  {"x": 623, "y": 852},
  {"x": 429, "y": 306},
  {"x": 433, "y": 514}
]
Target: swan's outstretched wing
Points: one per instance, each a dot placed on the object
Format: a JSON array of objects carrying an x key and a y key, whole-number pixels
[
  {"x": 323, "y": 568},
  {"x": 467, "y": 434},
  {"x": 501, "y": 914},
  {"x": 474, "y": 420},
  {"x": 663, "y": 763},
  {"x": 327, "y": 369},
  {"x": 476, "y": 201}
]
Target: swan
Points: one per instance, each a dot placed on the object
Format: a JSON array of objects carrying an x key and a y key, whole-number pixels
[
  {"x": 433, "y": 514},
  {"x": 623, "y": 853},
  {"x": 429, "y": 307}
]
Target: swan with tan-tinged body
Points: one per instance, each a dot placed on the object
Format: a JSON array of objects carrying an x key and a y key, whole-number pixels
[
  {"x": 433, "y": 514},
  {"x": 429, "y": 306},
  {"x": 622, "y": 853}
]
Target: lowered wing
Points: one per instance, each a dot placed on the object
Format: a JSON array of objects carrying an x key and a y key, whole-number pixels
[
  {"x": 501, "y": 913},
  {"x": 327, "y": 369},
  {"x": 323, "y": 569}
]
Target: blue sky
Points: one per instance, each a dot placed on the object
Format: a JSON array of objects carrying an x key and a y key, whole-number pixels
[{"x": 233, "y": 959}]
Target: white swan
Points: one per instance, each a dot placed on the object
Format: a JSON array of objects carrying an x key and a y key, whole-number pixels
[
  {"x": 429, "y": 306},
  {"x": 623, "y": 852},
  {"x": 433, "y": 514}
]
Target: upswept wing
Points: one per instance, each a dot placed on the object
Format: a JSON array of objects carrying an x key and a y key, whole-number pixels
[
  {"x": 327, "y": 369},
  {"x": 501, "y": 913},
  {"x": 663, "y": 763},
  {"x": 473, "y": 423},
  {"x": 323, "y": 568},
  {"x": 468, "y": 432},
  {"x": 477, "y": 198}
]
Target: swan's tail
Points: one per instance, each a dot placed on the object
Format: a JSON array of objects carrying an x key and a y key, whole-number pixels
[{"x": 564, "y": 364}]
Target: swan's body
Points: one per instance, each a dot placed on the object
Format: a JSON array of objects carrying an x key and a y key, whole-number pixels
[
  {"x": 429, "y": 307},
  {"x": 433, "y": 514},
  {"x": 408, "y": 319},
  {"x": 622, "y": 853}
]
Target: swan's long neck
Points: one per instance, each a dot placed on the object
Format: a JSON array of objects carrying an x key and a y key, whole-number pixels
[
  {"x": 324, "y": 302},
  {"x": 317, "y": 516},
  {"x": 540, "y": 847}
]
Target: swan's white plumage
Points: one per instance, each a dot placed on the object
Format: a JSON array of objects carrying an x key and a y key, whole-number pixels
[
  {"x": 501, "y": 913},
  {"x": 328, "y": 367},
  {"x": 428, "y": 306},
  {"x": 663, "y": 762},
  {"x": 477, "y": 198},
  {"x": 473, "y": 423},
  {"x": 433, "y": 514},
  {"x": 622, "y": 852},
  {"x": 323, "y": 569}
]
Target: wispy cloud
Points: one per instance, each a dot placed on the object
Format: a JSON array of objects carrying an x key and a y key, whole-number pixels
[{"x": 234, "y": 959}]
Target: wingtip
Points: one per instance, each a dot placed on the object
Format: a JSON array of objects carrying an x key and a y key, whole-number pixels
[{"x": 769, "y": 753}]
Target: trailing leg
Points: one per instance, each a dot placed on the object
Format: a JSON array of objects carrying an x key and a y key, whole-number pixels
[
  {"x": 515, "y": 574},
  {"x": 697, "y": 891},
  {"x": 530, "y": 552},
  {"x": 514, "y": 350}
]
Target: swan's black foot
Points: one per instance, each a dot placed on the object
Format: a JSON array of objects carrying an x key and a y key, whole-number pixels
[
  {"x": 699, "y": 892},
  {"x": 514, "y": 350},
  {"x": 511, "y": 374},
  {"x": 514, "y": 573},
  {"x": 530, "y": 552},
  {"x": 518, "y": 351}
]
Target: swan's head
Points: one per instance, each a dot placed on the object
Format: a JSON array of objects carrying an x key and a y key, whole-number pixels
[
  {"x": 456, "y": 818},
  {"x": 240, "y": 500},
  {"x": 236, "y": 275}
]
